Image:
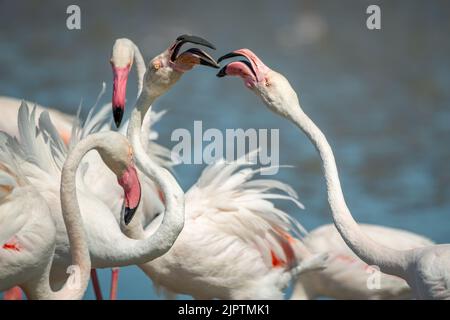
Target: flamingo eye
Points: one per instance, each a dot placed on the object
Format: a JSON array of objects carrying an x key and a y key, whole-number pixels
[{"x": 157, "y": 65}]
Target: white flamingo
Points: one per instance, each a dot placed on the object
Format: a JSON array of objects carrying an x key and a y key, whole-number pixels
[
  {"x": 227, "y": 215},
  {"x": 425, "y": 269},
  {"x": 28, "y": 232},
  {"x": 347, "y": 276},
  {"x": 63, "y": 124}
]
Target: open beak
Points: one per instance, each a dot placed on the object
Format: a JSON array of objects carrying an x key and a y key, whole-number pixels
[
  {"x": 193, "y": 56},
  {"x": 251, "y": 69},
  {"x": 119, "y": 92},
  {"x": 132, "y": 189},
  {"x": 241, "y": 67}
]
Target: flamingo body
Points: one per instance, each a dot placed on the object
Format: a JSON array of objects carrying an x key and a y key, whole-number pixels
[
  {"x": 27, "y": 233},
  {"x": 347, "y": 276}
]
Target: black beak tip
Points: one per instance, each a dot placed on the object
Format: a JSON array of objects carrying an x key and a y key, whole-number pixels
[
  {"x": 129, "y": 214},
  {"x": 222, "y": 72},
  {"x": 118, "y": 115}
]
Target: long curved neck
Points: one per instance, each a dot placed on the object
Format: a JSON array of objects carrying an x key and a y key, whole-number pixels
[
  {"x": 121, "y": 250},
  {"x": 173, "y": 221},
  {"x": 388, "y": 260}
]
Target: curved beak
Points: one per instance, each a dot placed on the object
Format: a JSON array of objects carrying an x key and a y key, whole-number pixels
[
  {"x": 119, "y": 92},
  {"x": 251, "y": 68},
  {"x": 222, "y": 72},
  {"x": 185, "y": 38},
  {"x": 193, "y": 56},
  {"x": 132, "y": 189}
]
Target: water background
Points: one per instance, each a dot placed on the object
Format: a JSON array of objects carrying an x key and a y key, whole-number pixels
[{"x": 382, "y": 98}]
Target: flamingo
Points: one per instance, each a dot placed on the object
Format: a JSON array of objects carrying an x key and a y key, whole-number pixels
[
  {"x": 226, "y": 214},
  {"x": 347, "y": 276},
  {"x": 63, "y": 123},
  {"x": 28, "y": 232},
  {"x": 425, "y": 269},
  {"x": 108, "y": 246}
]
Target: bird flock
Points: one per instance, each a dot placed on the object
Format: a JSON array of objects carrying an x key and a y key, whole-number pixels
[{"x": 76, "y": 196}]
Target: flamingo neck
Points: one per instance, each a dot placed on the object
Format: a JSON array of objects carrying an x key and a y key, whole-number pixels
[
  {"x": 173, "y": 220},
  {"x": 388, "y": 260}
]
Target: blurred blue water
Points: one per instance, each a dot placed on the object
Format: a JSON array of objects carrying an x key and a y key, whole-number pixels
[{"x": 381, "y": 97}]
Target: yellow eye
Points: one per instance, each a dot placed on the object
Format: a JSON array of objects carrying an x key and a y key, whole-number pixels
[{"x": 157, "y": 65}]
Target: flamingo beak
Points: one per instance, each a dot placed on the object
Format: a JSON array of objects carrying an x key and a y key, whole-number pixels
[
  {"x": 193, "y": 56},
  {"x": 119, "y": 92},
  {"x": 189, "y": 39},
  {"x": 242, "y": 67},
  {"x": 222, "y": 72},
  {"x": 132, "y": 189},
  {"x": 251, "y": 69}
]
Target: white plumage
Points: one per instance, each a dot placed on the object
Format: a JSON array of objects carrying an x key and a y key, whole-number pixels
[
  {"x": 235, "y": 244},
  {"x": 347, "y": 276},
  {"x": 27, "y": 229},
  {"x": 10, "y": 109}
]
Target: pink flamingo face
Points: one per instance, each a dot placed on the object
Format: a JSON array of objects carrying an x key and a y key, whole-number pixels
[
  {"x": 132, "y": 189},
  {"x": 252, "y": 70},
  {"x": 119, "y": 91}
]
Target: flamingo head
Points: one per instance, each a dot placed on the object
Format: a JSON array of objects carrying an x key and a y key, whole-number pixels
[
  {"x": 129, "y": 182},
  {"x": 272, "y": 87},
  {"x": 166, "y": 69},
  {"x": 118, "y": 156},
  {"x": 122, "y": 59}
]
